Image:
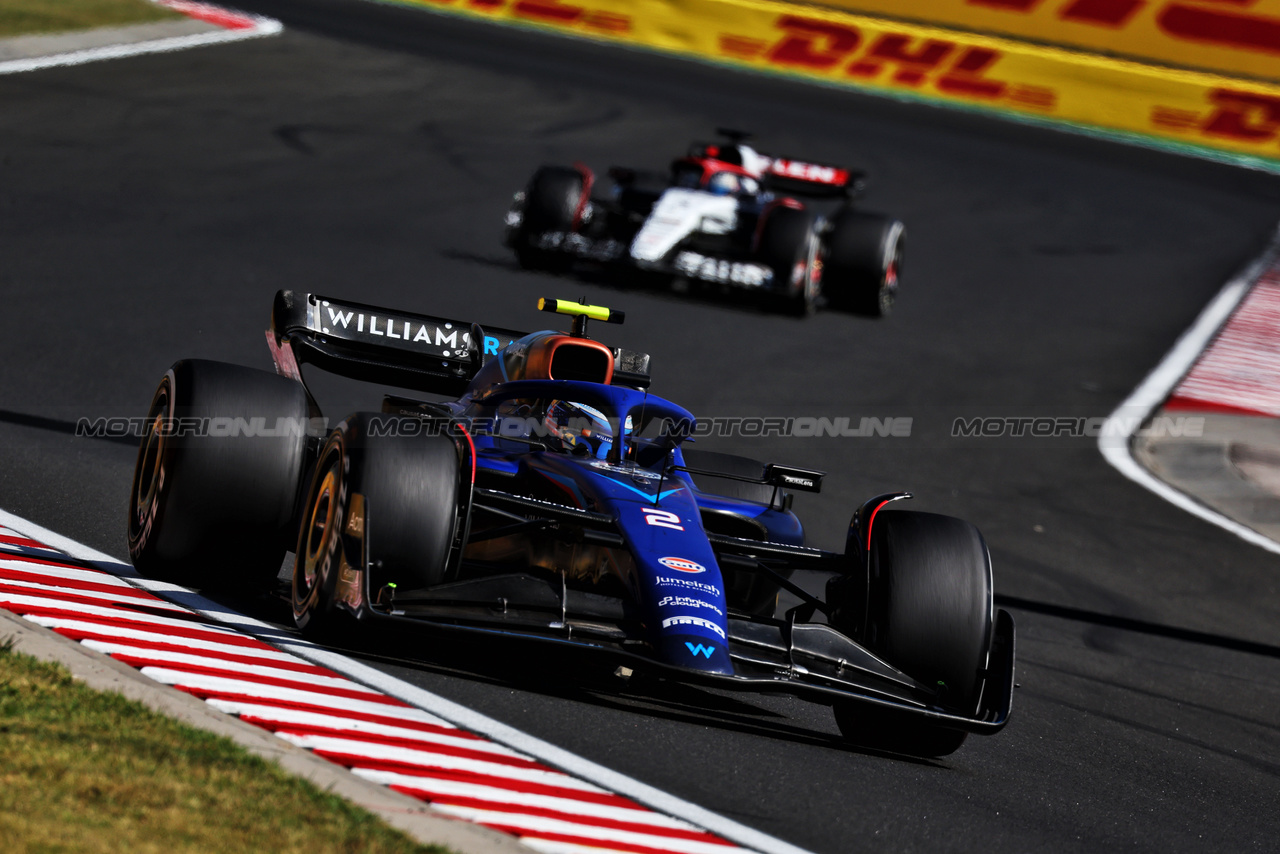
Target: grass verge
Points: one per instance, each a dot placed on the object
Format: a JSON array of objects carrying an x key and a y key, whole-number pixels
[
  {"x": 35, "y": 17},
  {"x": 94, "y": 772}
]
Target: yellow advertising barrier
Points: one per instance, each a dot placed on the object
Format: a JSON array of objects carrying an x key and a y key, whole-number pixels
[
  {"x": 1232, "y": 37},
  {"x": 1039, "y": 83}
]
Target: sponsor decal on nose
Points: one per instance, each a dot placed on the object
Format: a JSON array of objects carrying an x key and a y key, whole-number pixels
[
  {"x": 688, "y": 620},
  {"x": 679, "y": 564},
  {"x": 698, "y": 649}
]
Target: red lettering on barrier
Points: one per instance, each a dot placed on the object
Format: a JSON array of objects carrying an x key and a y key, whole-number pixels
[
  {"x": 741, "y": 47},
  {"x": 1036, "y": 97},
  {"x": 912, "y": 64},
  {"x": 1251, "y": 32},
  {"x": 1243, "y": 115},
  {"x": 813, "y": 44},
  {"x": 1014, "y": 5},
  {"x": 607, "y": 22},
  {"x": 1172, "y": 118},
  {"x": 548, "y": 10},
  {"x": 966, "y": 76},
  {"x": 1106, "y": 13}
]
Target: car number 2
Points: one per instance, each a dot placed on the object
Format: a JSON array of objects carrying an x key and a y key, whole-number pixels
[{"x": 662, "y": 518}]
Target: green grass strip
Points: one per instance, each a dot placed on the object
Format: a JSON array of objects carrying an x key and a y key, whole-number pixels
[
  {"x": 93, "y": 772},
  {"x": 36, "y": 17}
]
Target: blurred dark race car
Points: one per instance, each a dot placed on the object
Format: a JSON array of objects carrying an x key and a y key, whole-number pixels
[
  {"x": 549, "y": 498},
  {"x": 725, "y": 215}
]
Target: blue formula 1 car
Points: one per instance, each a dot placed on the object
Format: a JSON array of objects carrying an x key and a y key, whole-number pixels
[{"x": 550, "y": 497}]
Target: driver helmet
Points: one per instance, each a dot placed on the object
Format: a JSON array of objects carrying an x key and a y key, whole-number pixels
[
  {"x": 580, "y": 427},
  {"x": 724, "y": 184}
]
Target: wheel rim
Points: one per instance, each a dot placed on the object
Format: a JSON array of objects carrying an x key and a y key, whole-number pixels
[
  {"x": 889, "y": 287},
  {"x": 148, "y": 477},
  {"x": 319, "y": 530},
  {"x": 812, "y": 275},
  {"x": 153, "y": 446}
]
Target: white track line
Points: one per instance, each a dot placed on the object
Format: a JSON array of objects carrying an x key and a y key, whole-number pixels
[
  {"x": 1118, "y": 433},
  {"x": 419, "y": 698}
]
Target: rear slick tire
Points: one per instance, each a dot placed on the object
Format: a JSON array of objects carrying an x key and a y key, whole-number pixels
[
  {"x": 787, "y": 246},
  {"x": 217, "y": 477},
  {"x": 551, "y": 205}
]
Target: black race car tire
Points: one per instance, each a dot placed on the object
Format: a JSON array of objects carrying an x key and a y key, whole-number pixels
[
  {"x": 208, "y": 506},
  {"x": 409, "y": 483},
  {"x": 864, "y": 253},
  {"x": 929, "y": 613},
  {"x": 786, "y": 241},
  {"x": 551, "y": 204}
]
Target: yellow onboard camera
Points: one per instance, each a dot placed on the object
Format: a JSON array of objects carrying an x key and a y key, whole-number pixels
[{"x": 580, "y": 312}]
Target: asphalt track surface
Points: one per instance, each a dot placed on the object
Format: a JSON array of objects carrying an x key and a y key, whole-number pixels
[{"x": 150, "y": 207}]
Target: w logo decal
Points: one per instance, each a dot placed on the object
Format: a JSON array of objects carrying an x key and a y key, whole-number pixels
[{"x": 698, "y": 649}]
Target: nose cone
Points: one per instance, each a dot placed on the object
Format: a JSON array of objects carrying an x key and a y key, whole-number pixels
[
  {"x": 680, "y": 587},
  {"x": 677, "y": 582}
]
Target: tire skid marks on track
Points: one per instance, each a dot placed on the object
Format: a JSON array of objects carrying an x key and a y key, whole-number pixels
[{"x": 380, "y": 738}]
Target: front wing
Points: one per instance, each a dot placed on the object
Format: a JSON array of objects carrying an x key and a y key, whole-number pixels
[{"x": 793, "y": 656}]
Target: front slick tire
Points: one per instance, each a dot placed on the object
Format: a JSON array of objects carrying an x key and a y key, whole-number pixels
[
  {"x": 930, "y": 615},
  {"x": 863, "y": 263},
  {"x": 407, "y": 483},
  {"x": 213, "y": 508}
]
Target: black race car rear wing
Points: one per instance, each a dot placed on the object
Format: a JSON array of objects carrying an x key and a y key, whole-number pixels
[
  {"x": 800, "y": 178},
  {"x": 785, "y": 174},
  {"x": 414, "y": 351}
]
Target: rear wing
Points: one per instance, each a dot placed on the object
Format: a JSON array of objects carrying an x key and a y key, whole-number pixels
[
  {"x": 398, "y": 348},
  {"x": 380, "y": 345},
  {"x": 798, "y": 177}
]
